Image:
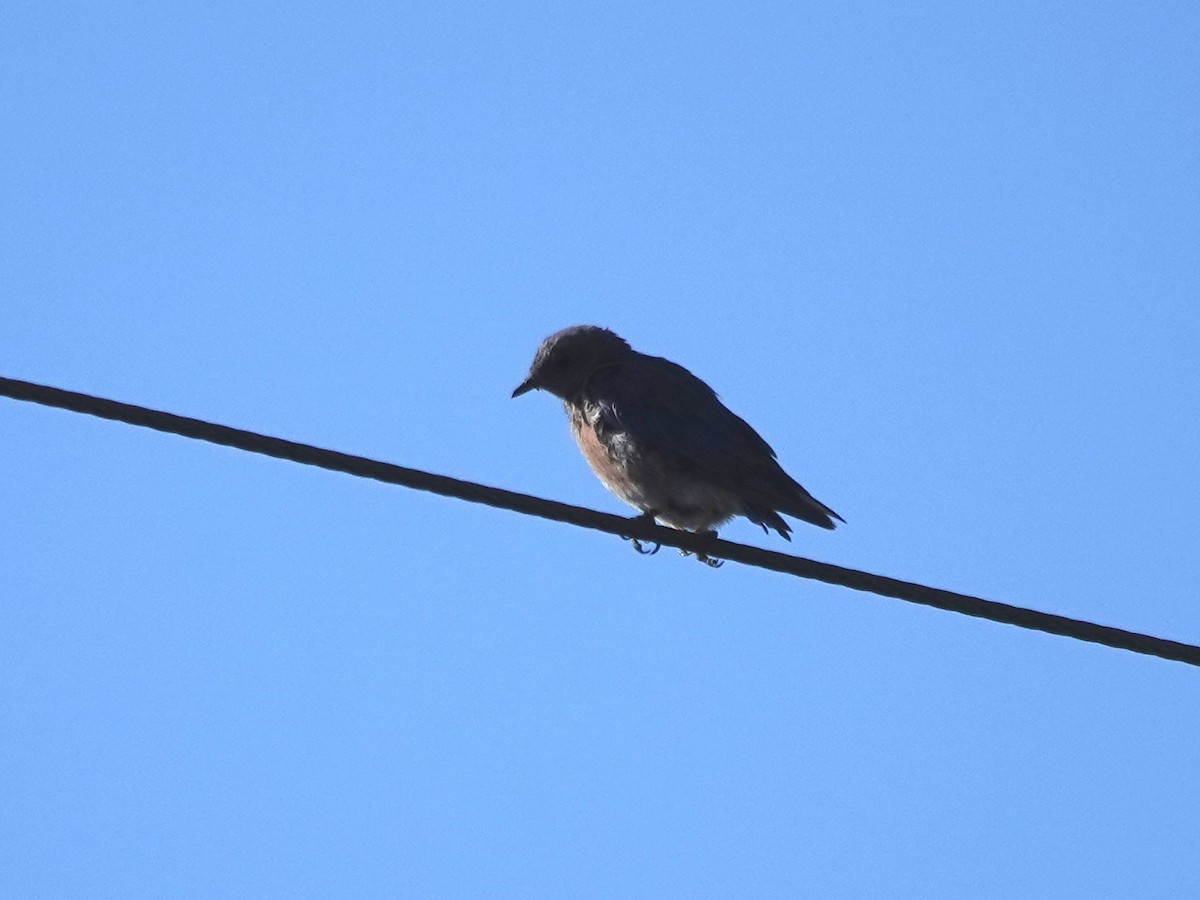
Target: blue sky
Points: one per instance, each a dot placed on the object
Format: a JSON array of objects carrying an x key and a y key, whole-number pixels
[{"x": 944, "y": 257}]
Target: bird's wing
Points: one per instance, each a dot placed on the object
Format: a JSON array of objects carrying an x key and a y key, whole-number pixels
[
  {"x": 663, "y": 405},
  {"x": 665, "y": 408}
]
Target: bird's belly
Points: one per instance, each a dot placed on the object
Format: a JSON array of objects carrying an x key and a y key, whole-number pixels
[{"x": 647, "y": 482}]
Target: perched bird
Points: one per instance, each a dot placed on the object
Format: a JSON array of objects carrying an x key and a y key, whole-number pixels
[{"x": 661, "y": 440}]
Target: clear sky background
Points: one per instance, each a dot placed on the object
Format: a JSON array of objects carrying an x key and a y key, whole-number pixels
[{"x": 944, "y": 256}]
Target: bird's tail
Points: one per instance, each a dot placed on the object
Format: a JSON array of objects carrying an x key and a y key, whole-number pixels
[
  {"x": 799, "y": 504},
  {"x": 804, "y": 506}
]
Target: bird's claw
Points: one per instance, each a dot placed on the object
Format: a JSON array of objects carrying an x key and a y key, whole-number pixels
[
  {"x": 641, "y": 548},
  {"x": 709, "y": 561}
]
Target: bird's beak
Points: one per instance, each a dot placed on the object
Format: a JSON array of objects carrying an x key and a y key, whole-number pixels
[{"x": 524, "y": 387}]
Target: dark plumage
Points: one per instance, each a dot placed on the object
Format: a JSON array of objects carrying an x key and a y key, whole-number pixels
[{"x": 661, "y": 440}]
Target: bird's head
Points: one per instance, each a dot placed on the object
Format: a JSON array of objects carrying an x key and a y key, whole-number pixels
[{"x": 565, "y": 360}]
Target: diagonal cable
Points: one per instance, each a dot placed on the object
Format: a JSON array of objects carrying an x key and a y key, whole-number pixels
[{"x": 586, "y": 518}]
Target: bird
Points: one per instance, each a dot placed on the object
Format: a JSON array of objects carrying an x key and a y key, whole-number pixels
[{"x": 662, "y": 441}]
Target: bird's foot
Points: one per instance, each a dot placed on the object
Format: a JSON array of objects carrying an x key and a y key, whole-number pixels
[
  {"x": 711, "y": 562},
  {"x": 648, "y": 518},
  {"x": 642, "y": 548}
]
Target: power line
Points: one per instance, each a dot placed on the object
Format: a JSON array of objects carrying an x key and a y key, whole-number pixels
[{"x": 640, "y": 529}]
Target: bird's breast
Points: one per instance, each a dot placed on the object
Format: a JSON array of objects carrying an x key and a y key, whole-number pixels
[
  {"x": 612, "y": 462},
  {"x": 649, "y": 480}
]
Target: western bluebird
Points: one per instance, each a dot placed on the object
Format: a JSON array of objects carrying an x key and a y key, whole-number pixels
[{"x": 661, "y": 440}]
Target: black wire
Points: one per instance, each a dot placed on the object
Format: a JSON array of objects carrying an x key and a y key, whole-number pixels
[{"x": 586, "y": 518}]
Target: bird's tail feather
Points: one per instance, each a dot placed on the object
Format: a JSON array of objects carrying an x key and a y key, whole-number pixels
[{"x": 804, "y": 506}]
